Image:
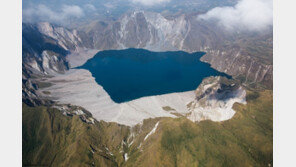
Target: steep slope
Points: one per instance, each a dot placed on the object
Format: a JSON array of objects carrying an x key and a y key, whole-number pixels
[
  {"x": 214, "y": 99},
  {"x": 248, "y": 58},
  {"x": 54, "y": 136},
  {"x": 245, "y": 140},
  {"x": 51, "y": 138},
  {"x": 41, "y": 56},
  {"x": 45, "y": 47},
  {"x": 45, "y": 51},
  {"x": 70, "y": 40},
  {"x": 245, "y": 55}
]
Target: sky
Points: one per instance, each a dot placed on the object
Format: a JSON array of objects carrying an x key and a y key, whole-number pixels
[
  {"x": 251, "y": 15},
  {"x": 150, "y": 2},
  {"x": 59, "y": 11},
  {"x": 41, "y": 11}
]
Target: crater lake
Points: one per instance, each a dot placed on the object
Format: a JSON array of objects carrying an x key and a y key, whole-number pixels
[{"x": 134, "y": 73}]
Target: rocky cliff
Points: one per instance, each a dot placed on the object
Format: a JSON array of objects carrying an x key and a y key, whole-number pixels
[
  {"x": 245, "y": 55},
  {"x": 215, "y": 98},
  {"x": 42, "y": 56},
  {"x": 48, "y": 48}
]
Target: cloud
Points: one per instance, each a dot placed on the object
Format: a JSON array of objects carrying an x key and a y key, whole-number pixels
[
  {"x": 252, "y": 15},
  {"x": 109, "y": 5},
  {"x": 90, "y": 7},
  {"x": 150, "y": 2},
  {"x": 43, "y": 13},
  {"x": 71, "y": 11}
]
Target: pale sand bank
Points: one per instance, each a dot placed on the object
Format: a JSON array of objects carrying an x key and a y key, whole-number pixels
[
  {"x": 80, "y": 56},
  {"x": 78, "y": 87}
]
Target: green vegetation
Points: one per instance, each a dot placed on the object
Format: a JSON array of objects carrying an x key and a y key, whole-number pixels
[
  {"x": 46, "y": 92},
  {"x": 52, "y": 139},
  {"x": 43, "y": 84},
  {"x": 244, "y": 140},
  {"x": 168, "y": 108}
]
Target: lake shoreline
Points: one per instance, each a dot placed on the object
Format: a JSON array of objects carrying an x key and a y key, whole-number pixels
[{"x": 131, "y": 74}]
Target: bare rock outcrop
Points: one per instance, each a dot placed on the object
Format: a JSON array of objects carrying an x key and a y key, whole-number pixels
[{"x": 215, "y": 97}]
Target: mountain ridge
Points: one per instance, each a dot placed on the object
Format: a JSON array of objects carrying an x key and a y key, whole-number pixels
[{"x": 226, "y": 51}]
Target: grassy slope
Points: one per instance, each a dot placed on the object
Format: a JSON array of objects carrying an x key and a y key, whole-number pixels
[
  {"x": 245, "y": 140},
  {"x": 49, "y": 138}
]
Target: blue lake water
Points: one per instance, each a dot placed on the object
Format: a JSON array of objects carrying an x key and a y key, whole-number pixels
[{"x": 133, "y": 73}]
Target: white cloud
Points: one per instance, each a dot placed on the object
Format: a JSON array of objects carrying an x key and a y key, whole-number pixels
[
  {"x": 109, "y": 5},
  {"x": 43, "y": 13},
  {"x": 71, "y": 11},
  {"x": 252, "y": 15},
  {"x": 90, "y": 7},
  {"x": 150, "y": 2}
]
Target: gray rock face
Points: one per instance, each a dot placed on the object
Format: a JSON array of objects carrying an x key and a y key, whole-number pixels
[
  {"x": 245, "y": 68},
  {"x": 69, "y": 40},
  {"x": 215, "y": 97},
  {"x": 42, "y": 56},
  {"x": 138, "y": 30},
  {"x": 247, "y": 56},
  {"x": 244, "y": 55}
]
